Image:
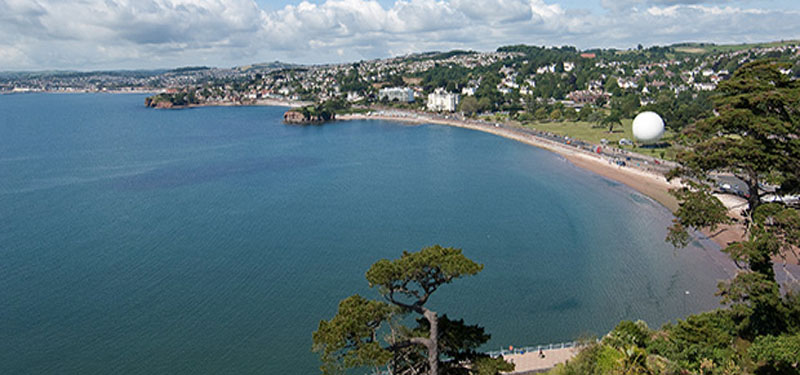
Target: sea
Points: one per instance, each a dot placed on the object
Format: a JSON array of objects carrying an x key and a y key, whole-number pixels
[{"x": 213, "y": 240}]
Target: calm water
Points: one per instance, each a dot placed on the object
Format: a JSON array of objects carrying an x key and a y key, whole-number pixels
[{"x": 213, "y": 240}]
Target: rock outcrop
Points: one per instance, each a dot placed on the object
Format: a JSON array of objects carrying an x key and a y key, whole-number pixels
[
  {"x": 151, "y": 102},
  {"x": 294, "y": 117}
]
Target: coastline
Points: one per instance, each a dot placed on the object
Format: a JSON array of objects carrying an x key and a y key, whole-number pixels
[
  {"x": 254, "y": 103},
  {"x": 248, "y": 103},
  {"x": 648, "y": 183},
  {"x": 643, "y": 180}
]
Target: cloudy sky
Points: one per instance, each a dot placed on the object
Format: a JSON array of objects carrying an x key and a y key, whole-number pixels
[{"x": 132, "y": 34}]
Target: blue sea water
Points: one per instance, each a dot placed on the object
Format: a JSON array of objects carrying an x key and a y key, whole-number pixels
[{"x": 213, "y": 240}]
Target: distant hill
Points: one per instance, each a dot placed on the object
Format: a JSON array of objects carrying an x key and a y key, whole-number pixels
[
  {"x": 188, "y": 69},
  {"x": 275, "y": 65},
  {"x": 75, "y": 73},
  {"x": 701, "y": 48}
]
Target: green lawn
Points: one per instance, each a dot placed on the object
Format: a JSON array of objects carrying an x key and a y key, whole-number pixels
[{"x": 586, "y": 132}]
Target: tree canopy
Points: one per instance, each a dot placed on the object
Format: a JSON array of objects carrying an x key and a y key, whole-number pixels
[
  {"x": 369, "y": 333},
  {"x": 755, "y": 136}
]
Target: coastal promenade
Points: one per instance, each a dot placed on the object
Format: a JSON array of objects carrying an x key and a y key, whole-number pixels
[
  {"x": 531, "y": 362},
  {"x": 540, "y": 358}
]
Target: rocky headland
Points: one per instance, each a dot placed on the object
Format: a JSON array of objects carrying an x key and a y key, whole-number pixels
[
  {"x": 295, "y": 117},
  {"x": 153, "y": 102}
]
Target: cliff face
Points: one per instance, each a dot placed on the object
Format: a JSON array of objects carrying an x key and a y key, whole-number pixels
[
  {"x": 294, "y": 117},
  {"x": 152, "y": 103},
  {"x": 298, "y": 118}
]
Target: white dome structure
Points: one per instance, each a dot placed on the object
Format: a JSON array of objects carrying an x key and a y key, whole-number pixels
[{"x": 648, "y": 127}]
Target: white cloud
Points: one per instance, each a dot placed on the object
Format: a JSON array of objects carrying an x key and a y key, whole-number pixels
[{"x": 88, "y": 34}]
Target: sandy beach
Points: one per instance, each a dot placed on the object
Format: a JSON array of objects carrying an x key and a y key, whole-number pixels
[
  {"x": 641, "y": 179},
  {"x": 648, "y": 183}
]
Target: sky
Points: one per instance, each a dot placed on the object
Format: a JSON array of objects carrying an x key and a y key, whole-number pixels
[{"x": 149, "y": 34}]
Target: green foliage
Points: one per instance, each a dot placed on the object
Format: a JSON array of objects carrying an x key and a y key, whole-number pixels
[
  {"x": 585, "y": 113},
  {"x": 487, "y": 92},
  {"x": 489, "y": 366},
  {"x": 697, "y": 208},
  {"x": 756, "y": 304},
  {"x": 444, "y": 76},
  {"x": 469, "y": 105},
  {"x": 177, "y": 99},
  {"x": 556, "y": 115},
  {"x": 625, "y": 105},
  {"x": 352, "y": 82},
  {"x": 586, "y": 362},
  {"x": 415, "y": 276},
  {"x": 680, "y": 111},
  {"x": 607, "y": 359},
  {"x": 458, "y": 342},
  {"x": 777, "y": 354},
  {"x": 612, "y": 87},
  {"x": 756, "y": 134},
  {"x": 541, "y": 114},
  {"x": 570, "y": 114},
  {"x": 706, "y": 336},
  {"x": 349, "y": 339},
  {"x": 628, "y": 333},
  {"x": 612, "y": 119},
  {"x": 365, "y": 333},
  {"x": 326, "y": 111}
]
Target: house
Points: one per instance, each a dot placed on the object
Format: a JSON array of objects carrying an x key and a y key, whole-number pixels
[
  {"x": 399, "y": 94},
  {"x": 353, "y": 96},
  {"x": 441, "y": 100},
  {"x": 627, "y": 83},
  {"x": 582, "y": 97}
]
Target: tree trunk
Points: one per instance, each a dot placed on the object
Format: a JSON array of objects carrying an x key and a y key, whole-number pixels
[
  {"x": 433, "y": 342},
  {"x": 754, "y": 199}
]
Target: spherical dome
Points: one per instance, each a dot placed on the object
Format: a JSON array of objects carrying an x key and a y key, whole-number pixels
[{"x": 648, "y": 127}]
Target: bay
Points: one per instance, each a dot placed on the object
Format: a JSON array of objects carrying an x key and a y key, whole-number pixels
[{"x": 213, "y": 240}]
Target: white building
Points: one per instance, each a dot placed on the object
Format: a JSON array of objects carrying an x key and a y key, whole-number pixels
[
  {"x": 441, "y": 100},
  {"x": 546, "y": 69},
  {"x": 705, "y": 86},
  {"x": 627, "y": 83},
  {"x": 400, "y": 94},
  {"x": 353, "y": 96}
]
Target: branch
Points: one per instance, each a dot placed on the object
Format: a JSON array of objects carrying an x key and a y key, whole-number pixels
[
  {"x": 390, "y": 298},
  {"x": 405, "y": 344},
  {"x": 421, "y": 341}
]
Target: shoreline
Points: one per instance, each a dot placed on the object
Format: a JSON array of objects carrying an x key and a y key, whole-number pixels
[
  {"x": 253, "y": 103},
  {"x": 651, "y": 184},
  {"x": 268, "y": 102},
  {"x": 648, "y": 183}
]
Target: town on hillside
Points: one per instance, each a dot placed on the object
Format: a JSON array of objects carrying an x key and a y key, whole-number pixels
[{"x": 520, "y": 82}]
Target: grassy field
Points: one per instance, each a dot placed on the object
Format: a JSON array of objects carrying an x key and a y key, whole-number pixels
[
  {"x": 709, "y": 48},
  {"x": 586, "y": 132}
]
